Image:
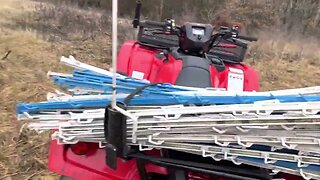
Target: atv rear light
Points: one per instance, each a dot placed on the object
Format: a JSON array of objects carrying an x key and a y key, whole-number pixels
[
  {"x": 81, "y": 148},
  {"x": 227, "y": 46}
]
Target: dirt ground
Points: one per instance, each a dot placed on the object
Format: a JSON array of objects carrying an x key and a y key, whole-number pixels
[{"x": 31, "y": 53}]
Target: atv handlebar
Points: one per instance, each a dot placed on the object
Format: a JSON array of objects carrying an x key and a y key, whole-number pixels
[
  {"x": 238, "y": 43},
  {"x": 247, "y": 38},
  {"x": 152, "y": 24},
  {"x": 169, "y": 25},
  {"x": 229, "y": 34}
]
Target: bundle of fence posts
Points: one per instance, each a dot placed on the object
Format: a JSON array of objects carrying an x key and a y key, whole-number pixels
[{"x": 278, "y": 130}]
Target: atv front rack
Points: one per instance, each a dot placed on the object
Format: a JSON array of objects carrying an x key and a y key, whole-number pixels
[{"x": 276, "y": 130}]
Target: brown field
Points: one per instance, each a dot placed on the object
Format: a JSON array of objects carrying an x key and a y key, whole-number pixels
[{"x": 36, "y": 36}]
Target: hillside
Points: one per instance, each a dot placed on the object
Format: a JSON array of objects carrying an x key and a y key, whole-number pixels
[{"x": 35, "y": 34}]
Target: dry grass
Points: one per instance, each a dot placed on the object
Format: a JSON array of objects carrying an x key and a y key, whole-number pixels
[
  {"x": 285, "y": 63},
  {"x": 37, "y": 42},
  {"x": 23, "y": 79}
]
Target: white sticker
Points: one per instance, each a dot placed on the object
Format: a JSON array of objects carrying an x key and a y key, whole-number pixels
[
  {"x": 137, "y": 75},
  {"x": 235, "y": 80}
]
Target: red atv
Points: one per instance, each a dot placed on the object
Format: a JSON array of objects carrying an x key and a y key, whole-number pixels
[{"x": 190, "y": 55}]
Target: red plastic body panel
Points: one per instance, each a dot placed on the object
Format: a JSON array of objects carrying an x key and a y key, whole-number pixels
[
  {"x": 92, "y": 165},
  {"x": 251, "y": 77},
  {"x": 134, "y": 57},
  {"x": 165, "y": 72}
]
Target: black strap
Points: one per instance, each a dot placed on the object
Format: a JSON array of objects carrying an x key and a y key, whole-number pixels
[
  {"x": 138, "y": 90},
  {"x": 141, "y": 164}
]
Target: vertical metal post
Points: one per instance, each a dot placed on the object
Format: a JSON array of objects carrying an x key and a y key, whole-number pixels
[{"x": 114, "y": 49}]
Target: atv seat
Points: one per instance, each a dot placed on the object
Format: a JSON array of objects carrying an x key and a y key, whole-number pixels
[{"x": 195, "y": 72}]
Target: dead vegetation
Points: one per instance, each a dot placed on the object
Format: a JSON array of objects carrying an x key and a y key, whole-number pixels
[
  {"x": 23, "y": 79},
  {"x": 284, "y": 63},
  {"x": 23, "y": 153},
  {"x": 37, "y": 33}
]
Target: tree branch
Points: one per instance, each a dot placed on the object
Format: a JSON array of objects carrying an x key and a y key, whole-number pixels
[{"x": 6, "y": 55}]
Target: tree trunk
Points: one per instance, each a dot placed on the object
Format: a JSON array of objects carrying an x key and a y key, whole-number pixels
[
  {"x": 317, "y": 18},
  {"x": 161, "y": 10}
]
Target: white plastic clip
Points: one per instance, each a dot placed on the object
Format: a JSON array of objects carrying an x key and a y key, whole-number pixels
[
  {"x": 141, "y": 148},
  {"x": 59, "y": 141},
  {"x": 235, "y": 113},
  {"x": 242, "y": 129},
  {"x": 263, "y": 112},
  {"x": 273, "y": 148},
  {"x": 28, "y": 115},
  {"x": 66, "y": 138},
  {"x": 170, "y": 115},
  {"x": 218, "y": 143},
  {"x": 267, "y": 160},
  {"x": 304, "y": 175},
  {"x": 300, "y": 163},
  {"x": 284, "y": 144},
  {"x": 241, "y": 143},
  {"x": 231, "y": 158},
  {"x": 288, "y": 128},
  {"x": 204, "y": 149},
  {"x": 274, "y": 172},
  {"x": 219, "y": 131},
  {"x": 55, "y": 135},
  {"x": 101, "y": 145},
  {"x": 68, "y": 141},
  {"x": 85, "y": 121},
  {"x": 154, "y": 142}
]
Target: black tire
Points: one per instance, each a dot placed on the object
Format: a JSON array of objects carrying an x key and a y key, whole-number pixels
[{"x": 65, "y": 178}]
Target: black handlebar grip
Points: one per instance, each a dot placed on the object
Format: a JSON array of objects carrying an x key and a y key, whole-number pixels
[
  {"x": 154, "y": 23},
  {"x": 239, "y": 43},
  {"x": 247, "y": 38}
]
